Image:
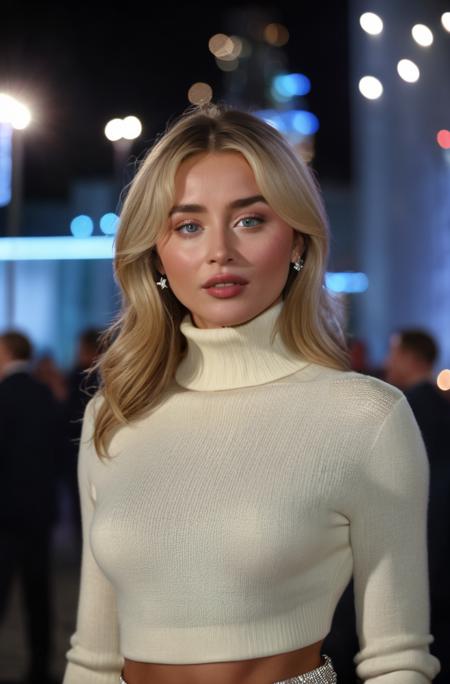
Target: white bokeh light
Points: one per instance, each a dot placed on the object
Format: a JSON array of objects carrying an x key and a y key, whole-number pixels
[
  {"x": 422, "y": 35},
  {"x": 14, "y": 112},
  {"x": 408, "y": 71},
  {"x": 370, "y": 87},
  {"x": 445, "y": 21},
  {"x": 22, "y": 116},
  {"x": 132, "y": 128},
  {"x": 114, "y": 129},
  {"x": 371, "y": 23}
]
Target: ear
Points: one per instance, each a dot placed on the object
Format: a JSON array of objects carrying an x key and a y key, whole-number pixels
[{"x": 298, "y": 246}]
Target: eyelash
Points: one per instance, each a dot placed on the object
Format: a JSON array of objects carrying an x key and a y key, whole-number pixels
[{"x": 244, "y": 218}]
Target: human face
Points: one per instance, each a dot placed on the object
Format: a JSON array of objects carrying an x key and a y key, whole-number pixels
[{"x": 221, "y": 225}]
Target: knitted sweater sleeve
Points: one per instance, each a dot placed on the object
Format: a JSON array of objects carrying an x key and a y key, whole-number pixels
[
  {"x": 94, "y": 656},
  {"x": 388, "y": 538}
]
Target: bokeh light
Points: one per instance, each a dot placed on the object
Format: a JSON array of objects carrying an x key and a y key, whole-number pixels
[
  {"x": 132, "y": 128},
  {"x": 443, "y": 380},
  {"x": 82, "y": 226},
  {"x": 443, "y": 139},
  {"x": 113, "y": 129},
  {"x": 371, "y": 23},
  {"x": 109, "y": 223},
  {"x": 221, "y": 45},
  {"x": 200, "y": 93},
  {"x": 225, "y": 65},
  {"x": 422, "y": 35},
  {"x": 408, "y": 70},
  {"x": 370, "y": 87},
  {"x": 445, "y": 21},
  {"x": 14, "y": 112},
  {"x": 276, "y": 34},
  {"x": 289, "y": 85},
  {"x": 305, "y": 123}
]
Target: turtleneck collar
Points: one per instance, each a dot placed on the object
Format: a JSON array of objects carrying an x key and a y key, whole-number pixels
[{"x": 236, "y": 356}]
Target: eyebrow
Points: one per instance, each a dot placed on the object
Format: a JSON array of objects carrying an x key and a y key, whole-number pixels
[{"x": 199, "y": 208}]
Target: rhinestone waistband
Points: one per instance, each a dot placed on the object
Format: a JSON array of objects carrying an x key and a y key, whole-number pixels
[{"x": 324, "y": 674}]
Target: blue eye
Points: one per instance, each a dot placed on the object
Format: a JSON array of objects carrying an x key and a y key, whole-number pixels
[
  {"x": 187, "y": 225},
  {"x": 250, "y": 221}
]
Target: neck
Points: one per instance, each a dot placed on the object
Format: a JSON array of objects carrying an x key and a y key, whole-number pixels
[{"x": 240, "y": 356}]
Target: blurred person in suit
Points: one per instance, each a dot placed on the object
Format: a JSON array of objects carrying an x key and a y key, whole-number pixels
[
  {"x": 29, "y": 443},
  {"x": 46, "y": 371},
  {"x": 81, "y": 384},
  {"x": 409, "y": 365}
]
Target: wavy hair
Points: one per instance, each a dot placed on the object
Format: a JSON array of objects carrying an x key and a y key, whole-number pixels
[{"x": 144, "y": 345}]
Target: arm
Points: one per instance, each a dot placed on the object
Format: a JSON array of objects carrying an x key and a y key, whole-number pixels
[
  {"x": 388, "y": 538},
  {"x": 94, "y": 657}
]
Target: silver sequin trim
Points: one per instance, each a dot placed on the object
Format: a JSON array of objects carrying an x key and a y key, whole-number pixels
[{"x": 324, "y": 674}]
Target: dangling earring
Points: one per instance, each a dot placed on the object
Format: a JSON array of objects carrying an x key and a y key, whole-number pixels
[
  {"x": 162, "y": 283},
  {"x": 298, "y": 265}
]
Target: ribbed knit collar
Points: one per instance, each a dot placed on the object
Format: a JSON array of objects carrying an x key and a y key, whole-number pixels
[{"x": 237, "y": 356}]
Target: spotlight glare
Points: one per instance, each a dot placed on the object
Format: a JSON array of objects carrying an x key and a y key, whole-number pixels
[{"x": 14, "y": 112}]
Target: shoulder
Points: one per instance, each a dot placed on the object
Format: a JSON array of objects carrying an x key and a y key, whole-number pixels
[{"x": 352, "y": 389}]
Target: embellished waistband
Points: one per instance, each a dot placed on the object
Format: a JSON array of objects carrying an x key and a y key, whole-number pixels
[{"x": 324, "y": 674}]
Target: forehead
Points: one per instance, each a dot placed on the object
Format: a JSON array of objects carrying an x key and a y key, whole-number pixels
[{"x": 219, "y": 173}]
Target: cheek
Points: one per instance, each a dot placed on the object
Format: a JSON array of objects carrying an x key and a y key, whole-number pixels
[
  {"x": 275, "y": 254},
  {"x": 177, "y": 263}
]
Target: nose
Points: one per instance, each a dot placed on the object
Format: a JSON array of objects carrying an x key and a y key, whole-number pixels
[{"x": 220, "y": 246}]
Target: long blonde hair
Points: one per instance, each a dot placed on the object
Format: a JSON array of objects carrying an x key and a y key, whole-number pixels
[{"x": 144, "y": 345}]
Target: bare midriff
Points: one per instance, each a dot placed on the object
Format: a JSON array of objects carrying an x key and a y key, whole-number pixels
[{"x": 264, "y": 670}]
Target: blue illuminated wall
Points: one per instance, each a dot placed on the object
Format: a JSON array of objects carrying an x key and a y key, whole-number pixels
[
  {"x": 402, "y": 177},
  {"x": 55, "y": 300}
]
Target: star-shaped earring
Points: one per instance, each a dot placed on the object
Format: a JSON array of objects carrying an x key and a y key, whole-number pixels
[{"x": 162, "y": 283}]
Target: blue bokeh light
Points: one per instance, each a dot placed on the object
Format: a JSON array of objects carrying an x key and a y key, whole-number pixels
[
  {"x": 305, "y": 122},
  {"x": 109, "y": 223},
  {"x": 82, "y": 226},
  {"x": 290, "y": 85},
  {"x": 296, "y": 122},
  {"x": 5, "y": 163},
  {"x": 347, "y": 282}
]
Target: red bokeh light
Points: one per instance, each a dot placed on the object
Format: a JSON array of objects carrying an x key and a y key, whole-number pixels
[{"x": 443, "y": 139}]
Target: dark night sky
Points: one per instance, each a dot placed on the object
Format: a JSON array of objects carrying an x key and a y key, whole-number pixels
[{"x": 80, "y": 65}]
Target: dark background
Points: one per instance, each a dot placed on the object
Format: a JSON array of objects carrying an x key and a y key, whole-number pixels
[{"x": 79, "y": 65}]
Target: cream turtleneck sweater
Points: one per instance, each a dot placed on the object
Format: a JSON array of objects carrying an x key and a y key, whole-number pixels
[{"x": 229, "y": 521}]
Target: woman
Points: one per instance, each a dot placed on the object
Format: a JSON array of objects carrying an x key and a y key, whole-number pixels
[{"x": 239, "y": 472}]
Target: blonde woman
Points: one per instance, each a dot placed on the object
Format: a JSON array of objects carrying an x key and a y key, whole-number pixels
[{"x": 233, "y": 472}]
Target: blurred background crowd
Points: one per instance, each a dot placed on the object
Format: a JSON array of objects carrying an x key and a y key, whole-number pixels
[{"x": 361, "y": 91}]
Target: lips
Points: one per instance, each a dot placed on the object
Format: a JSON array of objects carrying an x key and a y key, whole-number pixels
[{"x": 225, "y": 278}]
